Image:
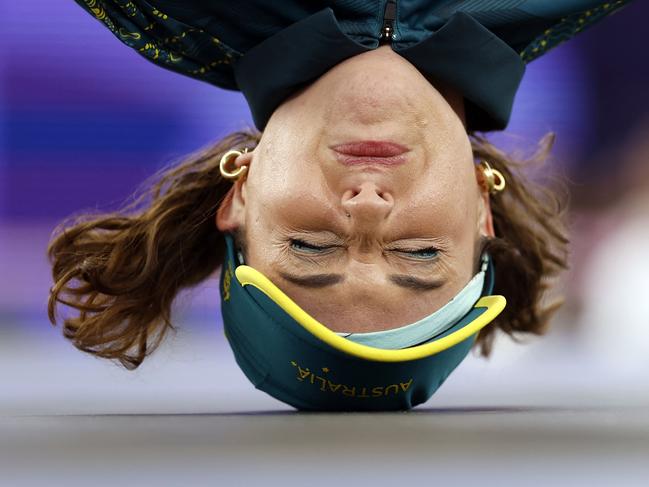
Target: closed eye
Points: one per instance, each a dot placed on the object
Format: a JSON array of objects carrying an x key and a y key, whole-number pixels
[
  {"x": 301, "y": 246},
  {"x": 309, "y": 248},
  {"x": 428, "y": 253}
]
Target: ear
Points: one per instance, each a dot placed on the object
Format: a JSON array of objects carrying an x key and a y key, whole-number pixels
[
  {"x": 485, "y": 218},
  {"x": 231, "y": 213}
]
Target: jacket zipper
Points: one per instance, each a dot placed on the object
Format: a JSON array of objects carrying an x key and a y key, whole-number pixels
[{"x": 389, "y": 16}]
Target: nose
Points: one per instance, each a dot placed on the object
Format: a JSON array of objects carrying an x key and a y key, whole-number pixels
[{"x": 367, "y": 203}]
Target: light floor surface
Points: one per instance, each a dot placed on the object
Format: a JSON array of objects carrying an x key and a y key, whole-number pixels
[
  {"x": 452, "y": 446},
  {"x": 538, "y": 414}
]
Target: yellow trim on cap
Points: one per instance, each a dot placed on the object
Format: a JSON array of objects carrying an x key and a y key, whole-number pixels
[{"x": 494, "y": 304}]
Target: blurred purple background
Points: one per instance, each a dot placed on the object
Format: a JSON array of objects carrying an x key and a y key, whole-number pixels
[{"x": 83, "y": 120}]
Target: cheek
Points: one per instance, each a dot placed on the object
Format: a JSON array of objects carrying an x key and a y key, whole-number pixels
[
  {"x": 285, "y": 161},
  {"x": 447, "y": 207},
  {"x": 293, "y": 201},
  {"x": 449, "y": 190},
  {"x": 448, "y": 217}
]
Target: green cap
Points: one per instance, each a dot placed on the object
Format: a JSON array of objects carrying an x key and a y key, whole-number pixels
[{"x": 291, "y": 356}]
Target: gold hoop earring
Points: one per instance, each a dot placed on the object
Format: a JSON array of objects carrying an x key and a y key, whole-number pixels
[
  {"x": 229, "y": 174},
  {"x": 493, "y": 177}
]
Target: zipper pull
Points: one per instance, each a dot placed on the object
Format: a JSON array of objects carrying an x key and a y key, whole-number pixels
[{"x": 389, "y": 16}]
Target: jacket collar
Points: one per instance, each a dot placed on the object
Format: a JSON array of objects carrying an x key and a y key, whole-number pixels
[{"x": 462, "y": 53}]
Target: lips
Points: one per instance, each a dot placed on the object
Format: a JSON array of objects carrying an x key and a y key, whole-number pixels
[
  {"x": 370, "y": 148},
  {"x": 370, "y": 152}
]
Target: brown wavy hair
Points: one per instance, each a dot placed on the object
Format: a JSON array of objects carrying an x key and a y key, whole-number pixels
[{"x": 121, "y": 271}]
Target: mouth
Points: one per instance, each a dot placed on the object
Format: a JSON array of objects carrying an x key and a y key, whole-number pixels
[
  {"x": 370, "y": 152},
  {"x": 377, "y": 161}
]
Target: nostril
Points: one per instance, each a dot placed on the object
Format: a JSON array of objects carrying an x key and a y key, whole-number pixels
[
  {"x": 366, "y": 194},
  {"x": 349, "y": 194},
  {"x": 387, "y": 197}
]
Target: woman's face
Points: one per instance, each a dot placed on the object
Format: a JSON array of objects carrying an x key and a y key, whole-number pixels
[{"x": 363, "y": 245}]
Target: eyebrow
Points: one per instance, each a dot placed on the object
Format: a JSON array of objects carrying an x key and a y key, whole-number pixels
[
  {"x": 324, "y": 280},
  {"x": 313, "y": 280},
  {"x": 412, "y": 282}
]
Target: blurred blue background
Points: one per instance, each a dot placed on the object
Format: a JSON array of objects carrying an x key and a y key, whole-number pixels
[{"x": 83, "y": 120}]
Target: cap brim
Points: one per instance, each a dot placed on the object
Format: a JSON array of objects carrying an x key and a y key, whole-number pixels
[{"x": 489, "y": 307}]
